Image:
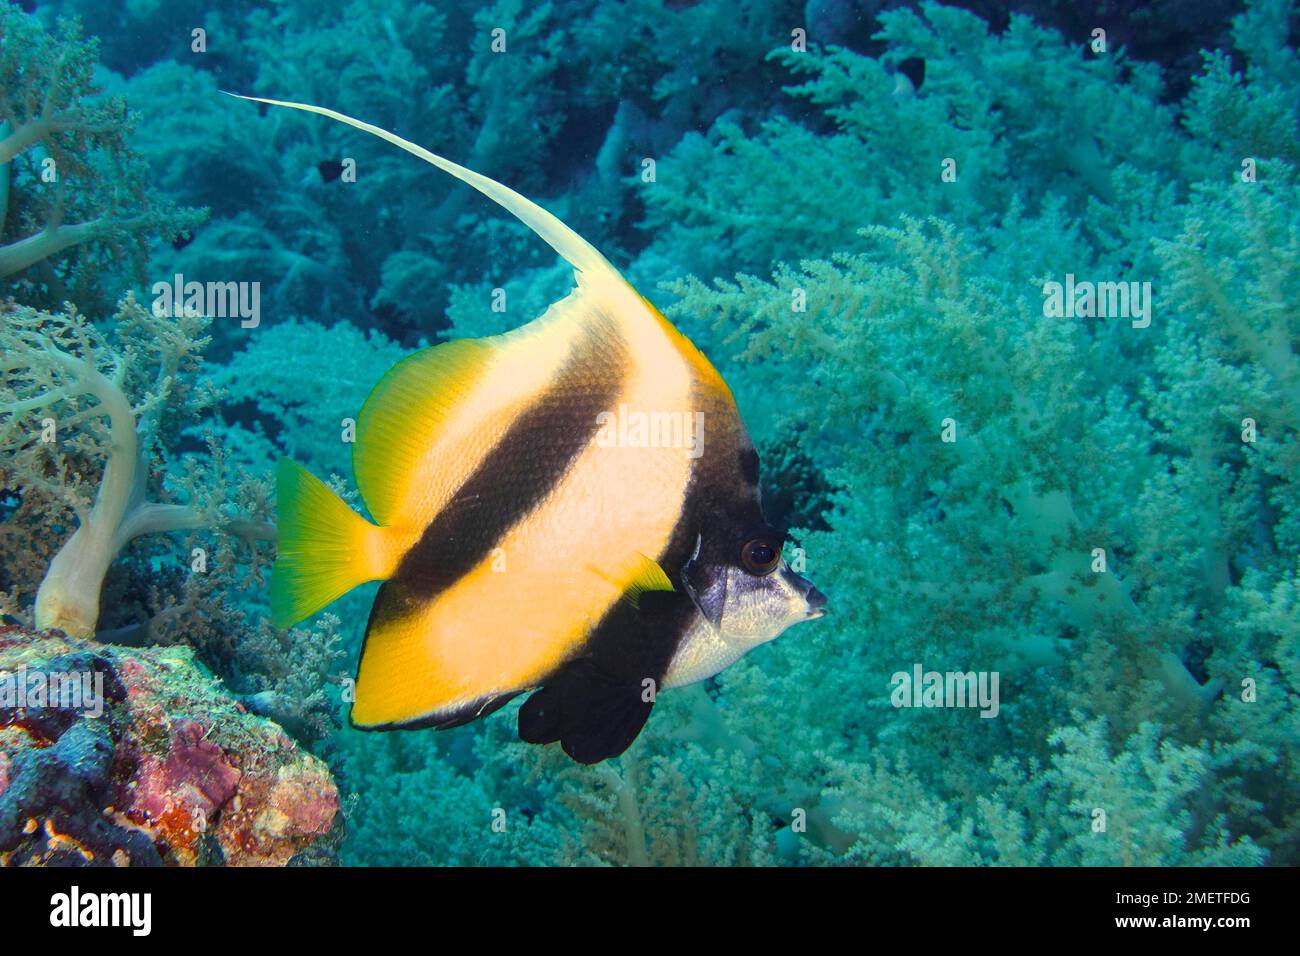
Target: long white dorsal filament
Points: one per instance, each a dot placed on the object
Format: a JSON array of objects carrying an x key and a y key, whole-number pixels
[{"x": 579, "y": 253}]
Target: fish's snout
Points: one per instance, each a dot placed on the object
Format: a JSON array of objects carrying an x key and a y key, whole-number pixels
[
  {"x": 816, "y": 601},
  {"x": 799, "y": 588}
]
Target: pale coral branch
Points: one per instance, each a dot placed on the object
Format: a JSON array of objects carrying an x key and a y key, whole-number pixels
[
  {"x": 68, "y": 597},
  {"x": 24, "y": 137},
  {"x": 629, "y": 810},
  {"x": 25, "y": 252}
]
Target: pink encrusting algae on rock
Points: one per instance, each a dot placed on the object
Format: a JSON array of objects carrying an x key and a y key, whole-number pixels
[{"x": 178, "y": 769}]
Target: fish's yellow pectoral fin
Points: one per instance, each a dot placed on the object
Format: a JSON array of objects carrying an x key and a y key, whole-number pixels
[{"x": 637, "y": 576}]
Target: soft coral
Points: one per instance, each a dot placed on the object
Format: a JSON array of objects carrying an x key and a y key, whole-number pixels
[
  {"x": 75, "y": 197},
  {"x": 67, "y": 404}
]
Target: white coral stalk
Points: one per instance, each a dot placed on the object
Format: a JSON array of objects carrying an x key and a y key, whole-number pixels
[
  {"x": 53, "y": 365},
  {"x": 69, "y": 595}
]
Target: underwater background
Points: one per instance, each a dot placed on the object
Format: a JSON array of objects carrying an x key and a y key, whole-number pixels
[{"x": 857, "y": 210}]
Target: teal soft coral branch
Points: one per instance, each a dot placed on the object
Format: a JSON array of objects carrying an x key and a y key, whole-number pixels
[{"x": 80, "y": 184}]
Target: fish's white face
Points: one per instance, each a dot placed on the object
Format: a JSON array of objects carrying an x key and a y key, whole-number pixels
[
  {"x": 740, "y": 607},
  {"x": 758, "y": 609},
  {"x": 747, "y": 591}
]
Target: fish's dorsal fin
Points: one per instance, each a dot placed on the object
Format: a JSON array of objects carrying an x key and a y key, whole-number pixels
[
  {"x": 575, "y": 250},
  {"x": 595, "y": 273}
]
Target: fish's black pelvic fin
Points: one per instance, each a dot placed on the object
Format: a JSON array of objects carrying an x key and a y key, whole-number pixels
[
  {"x": 593, "y": 715},
  {"x": 597, "y": 704}
]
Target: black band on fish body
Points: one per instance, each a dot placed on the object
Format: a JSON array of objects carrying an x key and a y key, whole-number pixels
[
  {"x": 594, "y": 705},
  {"x": 539, "y": 449}
]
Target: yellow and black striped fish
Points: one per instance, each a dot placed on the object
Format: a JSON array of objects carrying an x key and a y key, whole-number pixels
[{"x": 570, "y": 507}]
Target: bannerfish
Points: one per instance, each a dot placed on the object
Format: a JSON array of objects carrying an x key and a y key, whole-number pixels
[{"x": 569, "y": 508}]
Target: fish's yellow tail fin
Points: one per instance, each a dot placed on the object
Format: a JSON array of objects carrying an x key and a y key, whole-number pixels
[{"x": 325, "y": 548}]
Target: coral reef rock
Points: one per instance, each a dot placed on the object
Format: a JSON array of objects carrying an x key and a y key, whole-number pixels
[{"x": 127, "y": 756}]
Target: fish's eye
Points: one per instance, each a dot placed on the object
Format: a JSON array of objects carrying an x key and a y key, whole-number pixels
[{"x": 760, "y": 556}]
